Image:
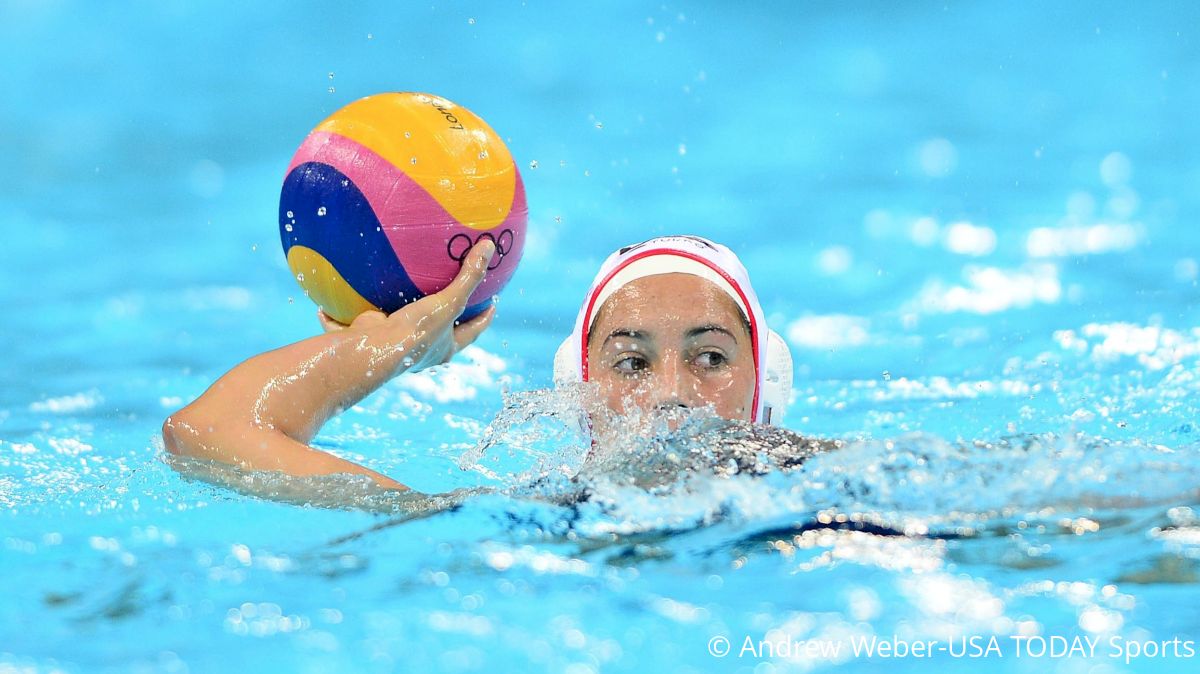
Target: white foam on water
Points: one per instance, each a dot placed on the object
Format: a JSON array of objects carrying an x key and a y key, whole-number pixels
[
  {"x": 937, "y": 157},
  {"x": 829, "y": 331},
  {"x": 1082, "y": 240},
  {"x": 835, "y": 260},
  {"x": 77, "y": 402},
  {"x": 942, "y": 388},
  {"x": 1116, "y": 169},
  {"x": 457, "y": 381},
  {"x": 965, "y": 238},
  {"x": 1154, "y": 347},
  {"x": 924, "y": 231},
  {"x": 991, "y": 289},
  {"x": 885, "y": 552}
]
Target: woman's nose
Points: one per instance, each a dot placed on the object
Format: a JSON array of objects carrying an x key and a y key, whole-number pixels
[{"x": 672, "y": 387}]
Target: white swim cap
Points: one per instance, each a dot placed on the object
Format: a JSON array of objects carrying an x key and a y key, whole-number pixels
[{"x": 698, "y": 257}]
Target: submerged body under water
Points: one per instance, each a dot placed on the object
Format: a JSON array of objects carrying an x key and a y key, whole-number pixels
[
  {"x": 689, "y": 470},
  {"x": 637, "y": 554}
]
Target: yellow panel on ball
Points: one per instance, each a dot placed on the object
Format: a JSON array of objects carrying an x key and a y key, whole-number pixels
[
  {"x": 446, "y": 149},
  {"x": 325, "y": 285}
]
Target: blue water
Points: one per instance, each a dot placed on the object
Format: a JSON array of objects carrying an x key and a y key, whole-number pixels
[{"x": 972, "y": 222}]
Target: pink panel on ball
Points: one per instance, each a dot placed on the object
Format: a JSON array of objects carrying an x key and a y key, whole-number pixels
[
  {"x": 504, "y": 265},
  {"x": 417, "y": 226}
]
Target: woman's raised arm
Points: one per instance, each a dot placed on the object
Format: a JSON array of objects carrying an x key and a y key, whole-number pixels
[{"x": 261, "y": 414}]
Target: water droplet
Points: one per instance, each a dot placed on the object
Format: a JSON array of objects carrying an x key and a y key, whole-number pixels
[
  {"x": 254, "y": 246},
  {"x": 300, "y": 277},
  {"x": 287, "y": 227},
  {"x": 370, "y": 36},
  {"x": 321, "y": 211},
  {"x": 471, "y": 21},
  {"x": 599, "y": 125},
  {"x": 330, "y": 75},
  {"x": 682, "y": 149},
  {"x": 562, "y": 163},
  {"x": 331, "y": 90},
  {"x": 370, "y": 373},
  {"x": 483, "y": 155},
  {"x": 587, "y": 173},
  {"x": 413, "y": 161},
  {"x": 887, "y": 376},
  {"x": 407, "y": 134},
  {"x": 291, "y": 214},
  {"x": 345, "y": 183},
  {"x": 533, "y": 164},
  {"x": 558, "y": 218},
  {"x": 408, "y": 361},
  {"x": 290, "y": 300}
]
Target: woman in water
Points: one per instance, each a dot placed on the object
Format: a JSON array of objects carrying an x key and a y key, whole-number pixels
[{"x": 669, "y": 325}]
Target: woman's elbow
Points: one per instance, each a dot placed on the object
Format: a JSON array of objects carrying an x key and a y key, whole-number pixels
[{"x": 182, "y": 434}]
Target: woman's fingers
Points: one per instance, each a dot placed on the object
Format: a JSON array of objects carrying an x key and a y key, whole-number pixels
[
  {"x": 328, "y": 323},
  {"x": 432, "y": 319},
  {"x": 368, "y": 318},
  {"x": 470, "y": 276},
  {"x": 469, "y": 331},
  {"x": 364, "y": 320}
]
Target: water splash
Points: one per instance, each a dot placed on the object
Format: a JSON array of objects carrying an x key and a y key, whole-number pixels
[
  {"x": 535, "y": 435},
  {"x": 688, "y": 468}
]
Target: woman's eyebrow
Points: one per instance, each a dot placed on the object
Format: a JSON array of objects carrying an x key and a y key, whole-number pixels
[
  {"x": 712, "y": 327},
  {"x": 627, "y": 332}
]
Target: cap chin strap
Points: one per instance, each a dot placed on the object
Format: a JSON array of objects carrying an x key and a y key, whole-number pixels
[{"x": 776, "y": 389}]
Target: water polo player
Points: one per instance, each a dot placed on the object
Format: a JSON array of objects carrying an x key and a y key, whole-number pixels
[{"x": 668, "y": 324}]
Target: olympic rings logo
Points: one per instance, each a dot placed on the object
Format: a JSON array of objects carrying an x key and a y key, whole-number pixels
[{"x": 460, "y": 244}]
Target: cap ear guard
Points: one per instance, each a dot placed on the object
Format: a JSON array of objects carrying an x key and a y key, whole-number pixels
[
  {"x": 777, "y": 384},
  {"x": 776, "y": 389},
  {"x": 566, "y": 371}
]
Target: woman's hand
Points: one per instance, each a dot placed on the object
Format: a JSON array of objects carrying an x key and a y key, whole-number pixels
[{"x": 431, "y": 321}]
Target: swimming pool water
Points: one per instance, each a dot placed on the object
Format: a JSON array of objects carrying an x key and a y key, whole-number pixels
[{"x": 970, "y": 221}]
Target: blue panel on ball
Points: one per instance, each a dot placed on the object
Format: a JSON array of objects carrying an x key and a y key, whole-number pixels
[
  {"x": 474, "y": 310},
  {"x": 328, "y": 213}
]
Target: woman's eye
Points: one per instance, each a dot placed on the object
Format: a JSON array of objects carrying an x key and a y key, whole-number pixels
[
  {"x": 630, "y": 365},
  {"x": 711, "y": 359}
]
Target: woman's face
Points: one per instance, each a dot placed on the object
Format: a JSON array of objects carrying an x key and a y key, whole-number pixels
[{"x": 672, "y": 341}]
